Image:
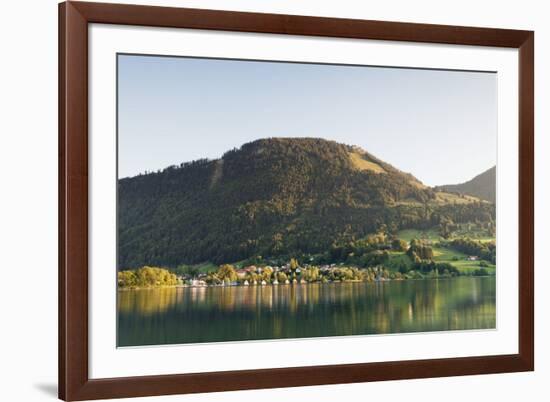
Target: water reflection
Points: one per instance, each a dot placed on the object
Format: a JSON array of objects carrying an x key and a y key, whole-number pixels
[
  {"x": 189, "y": 315},
  {"x": 146, "y": 301}
]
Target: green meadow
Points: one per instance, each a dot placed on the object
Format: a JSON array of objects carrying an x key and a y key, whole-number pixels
[
  {"x": 442, "y": 253},
  {"x": 459, "y": 260}
]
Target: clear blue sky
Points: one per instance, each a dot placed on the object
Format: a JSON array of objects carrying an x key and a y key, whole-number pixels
[{"x": 441, "y": 126}]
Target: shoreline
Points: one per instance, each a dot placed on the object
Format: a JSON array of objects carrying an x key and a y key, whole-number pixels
[{"x": 299, "y": 284}]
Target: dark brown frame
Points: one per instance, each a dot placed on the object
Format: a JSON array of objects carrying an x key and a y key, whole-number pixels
[{"x": 74, "y": 17}]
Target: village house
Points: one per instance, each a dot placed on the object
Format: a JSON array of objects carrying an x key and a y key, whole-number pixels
[
  {"x": 241, "y": 273},
  {"x": 324, "y": 269}
]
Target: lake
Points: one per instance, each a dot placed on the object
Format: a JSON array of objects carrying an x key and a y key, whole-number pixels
[{"x": 216, "y": 314}]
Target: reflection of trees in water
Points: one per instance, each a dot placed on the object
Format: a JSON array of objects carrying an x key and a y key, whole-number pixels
[
  {"x": 179, "y": 315},
  {"x": 147, "y": 301}
]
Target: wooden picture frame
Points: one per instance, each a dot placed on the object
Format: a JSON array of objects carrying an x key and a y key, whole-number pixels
[{"x": 74, "y": 381}]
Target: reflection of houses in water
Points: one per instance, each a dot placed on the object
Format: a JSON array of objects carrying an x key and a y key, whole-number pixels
[
  {"x": 266, "y": 297},
  {"x": 198, "y": 294},
  {"x": 300, "y": 297}
]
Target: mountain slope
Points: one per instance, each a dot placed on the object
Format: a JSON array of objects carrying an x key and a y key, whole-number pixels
[
  {"x": 482, "y": 186},
  {"x": 278, "y": 196}
]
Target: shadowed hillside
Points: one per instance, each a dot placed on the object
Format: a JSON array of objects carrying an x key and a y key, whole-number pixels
[{"x": 482, "y": 186}]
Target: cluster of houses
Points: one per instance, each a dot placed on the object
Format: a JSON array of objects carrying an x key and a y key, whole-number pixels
[
  {"x": 245, "y": 276},
  {"x": 246, "y": 272}
]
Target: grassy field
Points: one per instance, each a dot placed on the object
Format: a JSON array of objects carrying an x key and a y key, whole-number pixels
[
  {"x": 458, "y": 259},
  {"x": 441, "y": 254}
]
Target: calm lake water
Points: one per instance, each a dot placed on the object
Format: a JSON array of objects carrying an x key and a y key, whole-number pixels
[{"x": 215, "y": 314}]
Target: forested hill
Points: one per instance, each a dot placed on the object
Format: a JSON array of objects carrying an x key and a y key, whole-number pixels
[
  {"x": 482, "y": 186},
  {"x": 273, "y": 197}
]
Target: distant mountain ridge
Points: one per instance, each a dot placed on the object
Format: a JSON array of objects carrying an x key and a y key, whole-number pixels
[
  {"x": 273, "y": 197},
  {"x": 481, "y": 186}
]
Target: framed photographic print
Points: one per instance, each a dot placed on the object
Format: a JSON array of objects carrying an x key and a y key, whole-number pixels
[{"x": 259, "y": 200}]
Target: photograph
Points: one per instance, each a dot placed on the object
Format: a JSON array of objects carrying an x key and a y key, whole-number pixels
[{"x": 265, "y": 200}]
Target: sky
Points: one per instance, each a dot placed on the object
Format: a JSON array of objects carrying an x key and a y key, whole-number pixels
[{"x": 441, "y": 126}]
